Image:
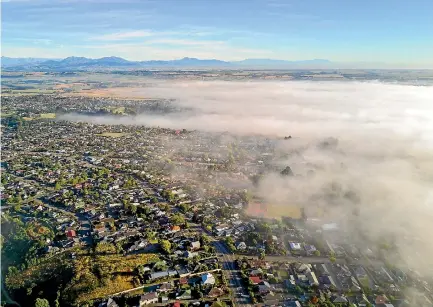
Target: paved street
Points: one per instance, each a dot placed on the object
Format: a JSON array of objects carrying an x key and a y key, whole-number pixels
[{"x": 233, "y": 275}]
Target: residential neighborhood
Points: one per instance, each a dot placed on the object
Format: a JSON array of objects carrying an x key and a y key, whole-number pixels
[{"x": 130, "y": 215}]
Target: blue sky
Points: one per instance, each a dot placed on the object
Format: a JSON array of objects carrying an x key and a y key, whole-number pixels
[{"x": 394, "y": 32}]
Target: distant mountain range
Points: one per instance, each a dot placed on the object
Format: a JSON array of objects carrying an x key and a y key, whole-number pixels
[{"x": 82, "y": 63}]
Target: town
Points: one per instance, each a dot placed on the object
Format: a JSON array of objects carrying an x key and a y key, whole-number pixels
[{"x": 133, "y": 215}]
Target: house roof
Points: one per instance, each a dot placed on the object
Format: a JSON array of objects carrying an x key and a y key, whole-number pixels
[
  {"x": 149, "y": 296},
  {"x": 381, "y": 299},
  {"x": 255, "y": 279},
  {"x": 208, "y": 278},
  {"x": 215, "y": 292}
]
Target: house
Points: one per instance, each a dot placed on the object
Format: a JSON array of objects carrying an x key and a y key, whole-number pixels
[
  {"x": 293, "y": 304},
  {"x": 215, "y": 292},
  {"x": 207, "y": 279},
  {"x": 71, "y": 233},
  {"x": 195, "y": 245},
  {"x": 256, "y": 272},
  {"x": 255, "y": 280},
  {"x": 290, "y": 283},
  {"x": 322, "y": 269},
  {"x": 148, "y": 298},
  {"x": 241, "y": 246},
  {"x": 312, "y": 279},
  {"x": 109, "y": 303},
  {"x": 175, "y": 228},
  {"x": 310, "y": 249},
  {"x": 189, "y": 254},
  {"x": 272, "y": 299},
  {"x": 328, "y": 281},
  {"x": 185, "y": 295},
  {"x": 264, "y": 287},
  {"x": 165, "y": 287},
  {"x": 339, "y": 299},
  {"x": 162, "y": 274},
  {"x": 295, "y": 246},
  {"x": 302, "y": 267},
  {"x": 381, "y": 299}
]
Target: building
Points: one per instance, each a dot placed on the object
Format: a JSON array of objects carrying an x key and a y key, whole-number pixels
[
  {"x": 148, "y": 298},
  {"x": 195, "y": 245},
  {"x": 255, "y": 280},
  {"x": 207, "y": 279},
  {"x": 312, "y": 279},
  {"x": 109, "y": 303},
  {"x": 71, "y": 233},
  {"x": 295, "y": 246}
]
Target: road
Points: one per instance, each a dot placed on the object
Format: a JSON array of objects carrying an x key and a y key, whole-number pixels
[{"x": 232, "y": 274}]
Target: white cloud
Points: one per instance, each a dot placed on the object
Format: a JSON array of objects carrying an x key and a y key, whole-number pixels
[
  {"x": 185, "y": 42},
  {"x": 123, "y": 35}
]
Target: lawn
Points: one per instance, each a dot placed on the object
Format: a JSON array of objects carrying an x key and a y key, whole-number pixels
[
  {"x": 283, "y": 274},
  {"x": 112, "y": 134}
]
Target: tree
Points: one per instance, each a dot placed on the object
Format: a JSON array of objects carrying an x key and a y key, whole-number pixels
[
  {"x": 165, "y": 245},
  {"x": 332, "y": 259},
  {"x": 204, "y": 239},
  {"x": 177, "y": 219},
  {"x": 287, "y": 171},
  {"x": 317, "y": 253},
  {"x": 105, "y": 248},
  {"x": 41, "y": 302},
  {"x": 184, "y": 207}
]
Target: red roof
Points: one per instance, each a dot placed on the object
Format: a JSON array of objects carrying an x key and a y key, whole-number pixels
[
  {"x": 175, "y": 228},
  {"x": 71, "y": 233},
  {"x": 176, "y": 304},
  {"x": 255, "y": 280},
  {"x": 381, "y": 299}
]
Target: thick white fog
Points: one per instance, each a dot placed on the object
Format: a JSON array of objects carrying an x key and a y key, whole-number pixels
[
  {"x": 306, "y": 109},
  {"x": 377, "y": 180}
]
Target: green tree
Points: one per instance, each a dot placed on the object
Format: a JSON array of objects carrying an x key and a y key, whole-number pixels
[
  {"x": 41, "y": 302},
  {"x": 204, "y": 239},
  {"x": 317, "y": 253},
  {"x": 332, "y": 259},
  {"x": 177, "y": 219},
  {"x": 165, "y": 246}
]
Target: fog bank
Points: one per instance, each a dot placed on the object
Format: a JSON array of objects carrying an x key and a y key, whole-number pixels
[{"x": 375, "y": 181}]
